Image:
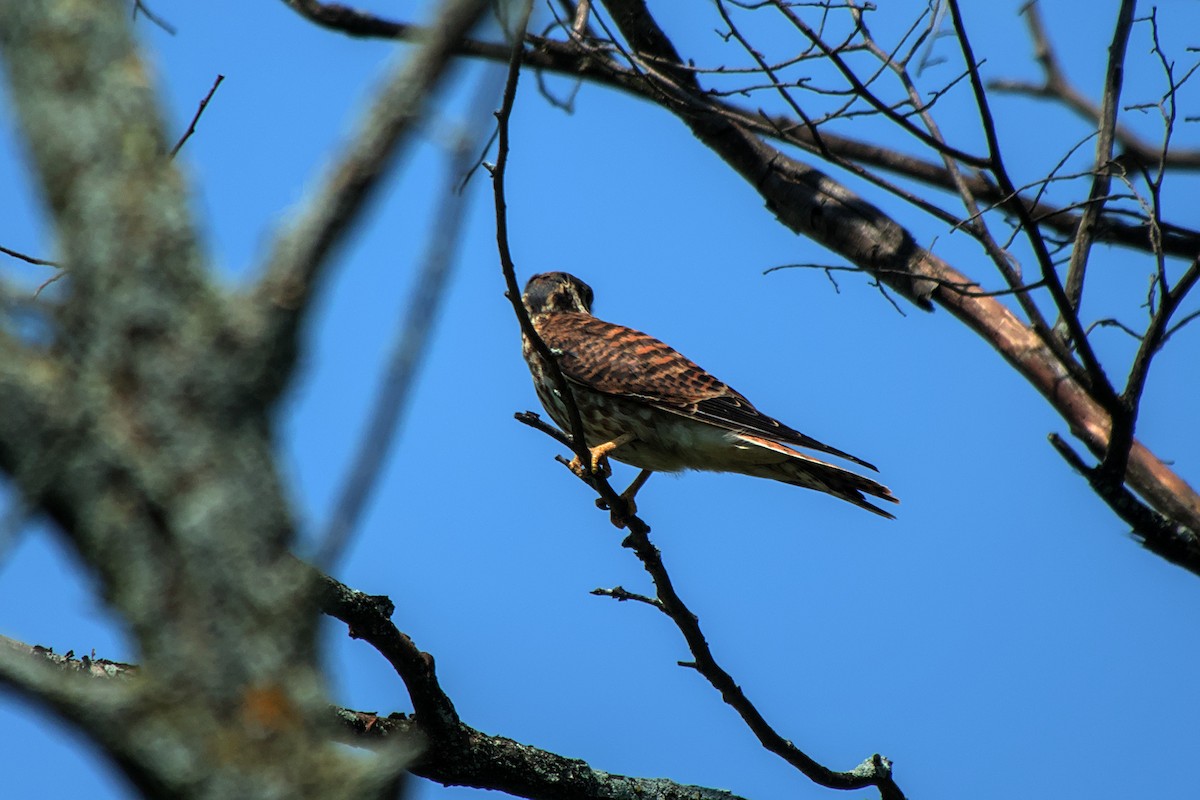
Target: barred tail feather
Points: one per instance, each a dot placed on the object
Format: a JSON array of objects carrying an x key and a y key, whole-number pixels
[{"x": 790, "y": 466}]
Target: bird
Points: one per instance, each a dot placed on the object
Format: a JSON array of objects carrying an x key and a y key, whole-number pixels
[{"x": 644, "y": 403}]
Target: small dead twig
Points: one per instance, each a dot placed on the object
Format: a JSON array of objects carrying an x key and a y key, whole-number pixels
[
  {"x": 196, "y": 117},
  {"x": 1105, "y": 140},
  {"x": 299, "y": 256},
  {"x": 1121, "y": 437},
  {"x": 963, "y": 288},
  {"x": 412, "y": 337},
  {"x": 513, "y": 291},
  {"x": 1100, "y": 386},
  {"x": 139, "y": 7},
  {"x": 40, "y": 262},
  {"x": 1055, "y": 86},
  {"x": 621, "y": 594},
  {"x": 1113, "y": 322}
]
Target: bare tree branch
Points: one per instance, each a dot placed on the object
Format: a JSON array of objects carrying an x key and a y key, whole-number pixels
[
  {"x": 142, "y": 439},
  {"x": 1113, "y": 467},
  {"x": 39, "y": 262},
  {"x": 1102, "y": 177},
  {"x": 1056, "y": 86},
  {"x": 140, "y": 7},
  {"x": 456, "y": 754},
  {"x": 473, "y": 759},
  {"x": 975, "y": 222},
  {"x": 1157, "y": 533},
  {"x": 191, "y": 128},
  {"x": 1098, "y": 382},
  {"x": 54, "y": 681},
  {"x": 594, "y": 64},
  {"x": 412, "y": 337},
  {"x": 299, "y": 255},
  {"x": 513, "y": 290},
  {"x": 874, "y": 771},
  {"x": 811, "y": 203}
]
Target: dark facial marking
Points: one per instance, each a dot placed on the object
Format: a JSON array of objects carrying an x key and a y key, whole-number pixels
[{"x": 552, "y": 292}]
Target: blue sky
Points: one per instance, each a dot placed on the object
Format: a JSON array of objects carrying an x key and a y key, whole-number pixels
[{"x": 1004, "y": 637}]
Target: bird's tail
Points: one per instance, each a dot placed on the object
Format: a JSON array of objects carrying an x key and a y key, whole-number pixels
[{"x": 791, "y": 466}]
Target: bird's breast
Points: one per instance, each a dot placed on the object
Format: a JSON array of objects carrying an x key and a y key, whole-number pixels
[{"x": 663, "y": 442}]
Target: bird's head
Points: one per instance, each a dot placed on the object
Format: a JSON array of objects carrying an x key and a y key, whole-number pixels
[{"x": 556, "y": 292}]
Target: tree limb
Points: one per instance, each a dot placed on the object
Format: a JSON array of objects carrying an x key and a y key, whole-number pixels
[
  {"x": 412, "y": 337},
  {"x": 1102, "y": 176},
  {"x": 811, "y": 203},
  {"x": 299, "y": 255},
  {"x": 484, "y": 761},
  {"x": 591, "y": 63},
  {"x": 814, "y": 205},
  {"x": 143, "y": 439},
  {"x": 1056, "y": 86}
]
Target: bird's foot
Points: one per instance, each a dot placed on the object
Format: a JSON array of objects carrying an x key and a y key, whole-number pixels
[
  {"x": 599, "y": 468},
  {"x": 599, "y": 457}
]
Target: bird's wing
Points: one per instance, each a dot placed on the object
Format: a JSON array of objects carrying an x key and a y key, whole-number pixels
[
  {"x": 735, "y": 412},
  {"x": 621, "y": 361},
  {"x": 625, "y": 362}
]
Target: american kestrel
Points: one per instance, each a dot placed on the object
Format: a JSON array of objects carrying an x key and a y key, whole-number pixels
[{"x": 643, "y": 403}]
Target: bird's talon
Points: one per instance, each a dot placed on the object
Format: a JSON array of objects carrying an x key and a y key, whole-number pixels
[{"x": 600, "y": 468}]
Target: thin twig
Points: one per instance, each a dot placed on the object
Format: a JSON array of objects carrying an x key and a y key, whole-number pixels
[
  {"x": 621, "y": 594},
  {"x": 865, "y": 93},
  {"x": 975, "y": 223},
  {"x": 457, "y": 754},
  {"x": 620, "y": 511},
  {"x": 40, "y": 262},
  {"x": 196, "y": 117},
  {"x": 46, "y": 283},
  {"x": 1116, "y": 457},
  {"x": 513, "y": 292},
  {"x": 591, "y": 61},
  {"x": 1099, "y": 384},
  {"x": 411, "y": 340},
  {"x": 1113, "y": 322},
  {"x": 1056, "y": 86},
  {"x": 1102, "y": 179},
  {"x": 874, "y": 771},
  {"x": 1121, "y": 437},
  {"x": 1188, "y": 318},
  {"x": 299, "y": 255},
  {"x": 965, "y": 288},
  {"x": 140, "y": 6}
]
